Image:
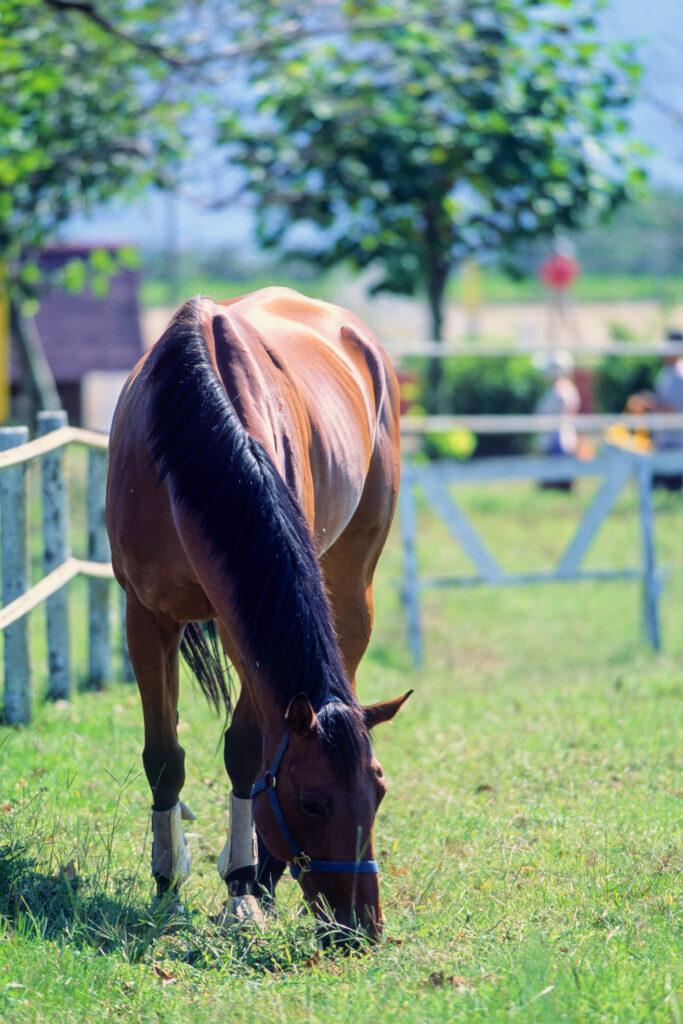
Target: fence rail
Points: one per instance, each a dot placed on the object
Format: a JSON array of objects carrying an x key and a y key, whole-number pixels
[
  {"x": 50, "y": 584},
  {"x": 59, "y": 437},
  {"x": 534, "y": 423},
  {"x": 439, "y": 350},
  {"x": 59, "y": 565},
  {"x": 615, "y": 467}
]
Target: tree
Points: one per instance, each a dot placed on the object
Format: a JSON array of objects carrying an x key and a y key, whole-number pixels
[
  {"x": 408, "y": 151},
  {"x": 82, "y": 119},
  {"x": 102, "y": 100}
]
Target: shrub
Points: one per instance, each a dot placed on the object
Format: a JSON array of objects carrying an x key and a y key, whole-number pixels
[
  {"x": 617, "y": 378},
  {"x": 476, "y": 385},
  {"x": 457, "y": 444}
]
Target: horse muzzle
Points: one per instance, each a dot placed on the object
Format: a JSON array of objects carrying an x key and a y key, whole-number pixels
[{"x": 347, "y": 910}]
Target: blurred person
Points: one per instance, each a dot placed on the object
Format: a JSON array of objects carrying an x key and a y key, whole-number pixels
[
  {"x": 558, "y": 272},
  {"x": 666, "y": 397},
  {"x": 561, "y": 398}
]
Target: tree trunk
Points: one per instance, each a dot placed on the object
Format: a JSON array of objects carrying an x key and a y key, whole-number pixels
[
  {"x": 436, "y": 288},
  {"x": 39, "y": 381}
]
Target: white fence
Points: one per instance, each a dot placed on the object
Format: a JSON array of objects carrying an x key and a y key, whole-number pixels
[
  {"x": 615, "y": 467},
  {"x": 59, "y": 565},
  {"x": 534, "y": 423},
  {"x": 618, "y": 349}
]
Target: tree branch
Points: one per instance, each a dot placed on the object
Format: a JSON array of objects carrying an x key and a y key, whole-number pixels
[
  {"x": 674, "y": 113},
  {"x": 291, "y": 32},
  {"x": 90, "y": 11},
  {"x": 205, "y": 203}
]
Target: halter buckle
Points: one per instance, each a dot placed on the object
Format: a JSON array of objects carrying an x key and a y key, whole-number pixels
[
  {"x": 269, "y": 780},
  {"x": 302, "y": 861}
]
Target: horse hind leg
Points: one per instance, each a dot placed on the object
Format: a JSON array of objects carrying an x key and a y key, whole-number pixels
[
  {"x": 349, "y": 565},
  {"x": 348, "y": 568},
  {"x": 153, "y": 642}
]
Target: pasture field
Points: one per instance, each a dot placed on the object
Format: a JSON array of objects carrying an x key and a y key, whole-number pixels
[
  {"x": 496, "y": 287},
  {"x": 530, "y": 844}
]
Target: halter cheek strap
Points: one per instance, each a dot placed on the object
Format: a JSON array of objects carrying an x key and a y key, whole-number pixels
[{"x": 300, "y": 861}]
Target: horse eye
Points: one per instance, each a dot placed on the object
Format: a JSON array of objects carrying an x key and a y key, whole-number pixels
[{"x": 313, "y": 806}]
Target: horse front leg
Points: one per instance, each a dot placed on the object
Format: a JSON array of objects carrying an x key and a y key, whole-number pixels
[
  {"x": 238, "y": 862},
  {"x": 153, "y": 643}
]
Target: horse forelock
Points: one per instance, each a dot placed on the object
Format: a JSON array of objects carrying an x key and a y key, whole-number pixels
[{"x": 344, "y": 737}]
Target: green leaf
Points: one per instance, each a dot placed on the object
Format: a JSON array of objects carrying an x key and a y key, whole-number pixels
[{"x": 74, "y": 276}]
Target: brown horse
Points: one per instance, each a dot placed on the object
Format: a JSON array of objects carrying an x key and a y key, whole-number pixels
[{"x": 253, "y": 476}]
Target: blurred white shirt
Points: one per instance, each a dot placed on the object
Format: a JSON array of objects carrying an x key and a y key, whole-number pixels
[{"x": 561, "y": 399}]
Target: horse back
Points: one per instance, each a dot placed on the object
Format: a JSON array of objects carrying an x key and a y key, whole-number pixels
[
  {"x": 306, "y": 379},
  {"x": 313, "y": 384}
]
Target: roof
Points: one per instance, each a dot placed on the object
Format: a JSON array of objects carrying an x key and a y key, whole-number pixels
[{"x": 82, "y": 332}]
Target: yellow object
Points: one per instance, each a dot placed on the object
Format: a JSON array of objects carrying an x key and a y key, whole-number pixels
[
  {"x": 632, "y": 440},
  {"x": 470, "y": 287}
]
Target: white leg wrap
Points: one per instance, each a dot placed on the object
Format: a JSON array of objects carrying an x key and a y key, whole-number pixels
[
  {"x": 240, "y": 850},
  {"x": 186, "y": 814},
  {"x": 170, "y": 856}
]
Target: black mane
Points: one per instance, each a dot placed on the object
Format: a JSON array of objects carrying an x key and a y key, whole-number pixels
[{"x": 255, "y": 527}]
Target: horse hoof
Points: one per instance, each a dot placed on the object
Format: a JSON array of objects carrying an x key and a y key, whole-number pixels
[
  {"x": 169, "y": 910},
  {"x": 240, "y": 911}
]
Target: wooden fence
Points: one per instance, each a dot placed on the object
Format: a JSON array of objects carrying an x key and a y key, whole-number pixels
[
  {"x": 537, "y": 423},
  {"x": 59, "y": 565},
  {"x": 615, "y": 467},
  {"x": 588, "y": 351}
]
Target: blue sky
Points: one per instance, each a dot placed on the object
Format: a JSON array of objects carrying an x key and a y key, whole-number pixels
[{"x": 656, "y": 24}]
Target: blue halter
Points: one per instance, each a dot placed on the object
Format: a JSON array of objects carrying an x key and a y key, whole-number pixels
[{"x": 300, "y": 861}]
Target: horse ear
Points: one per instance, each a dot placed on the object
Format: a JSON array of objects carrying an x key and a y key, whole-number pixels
[
  {"x": 300, "y": 716},
  {"x": 384, "y": 711}
]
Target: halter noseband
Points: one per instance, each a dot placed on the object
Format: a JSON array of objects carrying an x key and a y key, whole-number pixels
[{"x": 301, "y": 862}]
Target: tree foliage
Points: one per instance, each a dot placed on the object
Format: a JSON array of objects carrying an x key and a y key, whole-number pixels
[
  {"x": 83, "y": 119},
  {"x": 102, "y": 100},
  {"x": 479, "y": 123},
  {"x": 105, "y": 99}
]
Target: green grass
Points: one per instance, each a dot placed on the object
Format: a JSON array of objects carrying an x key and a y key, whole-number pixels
[
  {"x": 157, "y": 291},
  {"x": 530, "y": 844},
  {"x": 588, "y": 288},
  {"x": 495, "y": 288}
]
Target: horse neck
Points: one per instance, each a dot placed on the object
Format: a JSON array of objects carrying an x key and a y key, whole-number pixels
[{"x": 242, "y": 528}]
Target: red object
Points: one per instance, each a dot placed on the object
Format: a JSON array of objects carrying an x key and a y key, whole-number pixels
[
  {"x": 584, "y": 380},
  {"x": 558, "y": 272},
  {"x": 408, "y": 384}
]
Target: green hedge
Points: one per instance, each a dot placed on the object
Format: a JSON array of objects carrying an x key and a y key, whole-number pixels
[
  {"x": 617, "y": 378},
  {"x": 476, "y": 385}
]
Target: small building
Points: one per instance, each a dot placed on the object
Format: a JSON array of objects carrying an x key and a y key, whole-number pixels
[{"x": 91, "y": 342}]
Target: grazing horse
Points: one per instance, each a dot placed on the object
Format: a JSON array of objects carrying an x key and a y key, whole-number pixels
[{"x": 253, "y": 476}]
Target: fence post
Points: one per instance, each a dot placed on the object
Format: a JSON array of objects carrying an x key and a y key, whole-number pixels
[
  {"x": 99, "y": 657},
  {"x": 410, "y": 592},
  {"x": 56, "y": 550},
  {"x": 651, "y": 583},
  {"x": 15, "y": 575}
]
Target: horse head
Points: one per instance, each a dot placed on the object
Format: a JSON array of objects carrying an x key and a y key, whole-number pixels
[{"x": 322, "y": 790}]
